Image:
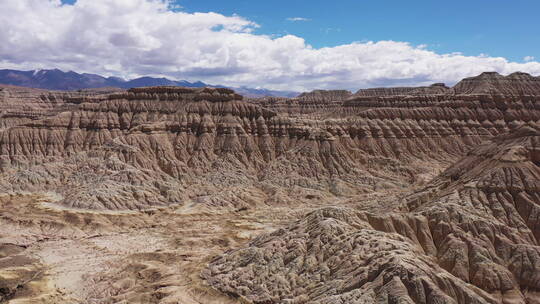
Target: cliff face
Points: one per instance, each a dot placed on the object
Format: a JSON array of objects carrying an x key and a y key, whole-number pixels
[
  {"x": 428, "y": 198},
  {"x": 316, "y": 103},
  {"x": 202, "y": 136},
  {"x": 471, "y": 236},
  {"x": 437, "y": 88},
  {"x": 486, "y": 87},
  {"x": 322, "y": 95},
  {"x": 407, "y": 122},
  {"x": 209, "y": 138},
  {"x": 492, "y": 83},
  {"x": 94, "y": 123},
  {"x": 20, "y": 105}
]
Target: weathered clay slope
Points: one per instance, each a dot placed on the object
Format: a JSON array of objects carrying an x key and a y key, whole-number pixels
[
  {"x": 94, "y": 123},
  {"x": 318, "y": 103},
  {"x": 190, "y": 126},
  {"x": 504, "y": 173},
  {"x": 156, "y": 166},
  {"x": 434, "y": 89},
  {"x": 156, "y": 146},
  {"x": 488, "y": 90},
  {"x": 456, "y": 122},
  {"x": 400, "y": 124},
  {"x": 492, "y": 83},
  {"x": 435, "y": 125},
  {"x": 211, "y": 139},
  {"x": 20, "y": 105},
  {"x": 426, "y": 126},
  {"x": 470, "y": 237},
  {"x": 325, "y": 95}
]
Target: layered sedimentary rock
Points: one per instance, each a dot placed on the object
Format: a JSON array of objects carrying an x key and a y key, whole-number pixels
[
  {"x": 149, "y": 184},
  {"x": 94, "y": 123},
  {"x": 437, "y": 88},
  {"x": 446, "y": 123},
  {"x": 212, "y": 138},
  {"x": 20, "y": 105},
  {"x": 315, "y": 103},
  {"x": 471, "y": 236},
  {"x": 492, "y": 83},
  {"x": 145, "y": 147},
  {"x": 467, "y": 120},
  {"x": 325, "y": 95},
  {"x": 400, "y": 122}
]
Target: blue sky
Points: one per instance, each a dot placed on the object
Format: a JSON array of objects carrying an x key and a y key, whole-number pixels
[
  {"x": 510, "y": 29},
  {"x": 290, "y": 45},
  {"x": 494, "y": 27}
]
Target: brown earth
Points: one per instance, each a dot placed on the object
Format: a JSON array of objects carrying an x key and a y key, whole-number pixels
[
  {"x": 470, "y": 236},
  {"x": 179, "y": 195}
]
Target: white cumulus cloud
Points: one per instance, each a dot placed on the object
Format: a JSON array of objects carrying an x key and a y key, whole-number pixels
[
  {"x": 528, "y": 58},
  {"x": 131, "y": 38}
]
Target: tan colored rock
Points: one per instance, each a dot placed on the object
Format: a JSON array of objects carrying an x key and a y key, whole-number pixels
[
  {"x": 515, "y": 84},
  {"x": 437, "y": 88},
  {"x": 130, "y": 196},
  {"x": 472, "y": 240}
]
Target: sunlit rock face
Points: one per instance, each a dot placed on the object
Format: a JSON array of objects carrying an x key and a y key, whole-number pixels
[
  {"x": 198, "y": 195},
  {"x": 471, "y": 236},
  {"x": 189, "y": 136}
]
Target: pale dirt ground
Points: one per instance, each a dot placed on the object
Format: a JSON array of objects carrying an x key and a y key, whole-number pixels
[
  {"x": 74, "y": 256},
  {"x": 155, "y": 256}
]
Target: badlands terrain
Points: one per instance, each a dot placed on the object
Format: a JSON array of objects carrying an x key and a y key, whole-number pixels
[{"x": 198, "y": 195}]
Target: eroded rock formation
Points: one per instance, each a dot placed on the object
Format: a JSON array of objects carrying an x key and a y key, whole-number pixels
[
  {"x": 147, "y": 145},
  {"x": 434, "y": 89},
  {"x": 315, "y": 103},
  {"x": 20, "y": 105},
  {"x": 148, "y": 187},
  {"x": 515, "y": 84},
  {"x": 469, "y": 237}
]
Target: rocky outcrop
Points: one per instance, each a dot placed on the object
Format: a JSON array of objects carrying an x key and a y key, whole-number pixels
[
  {"x": 450, "y": 120},
  {"x": 147, "y": 145},
  {"x": 504, "y": 173},
  {"x": 336, "y": 255},
  {"x": 471, "y": 236},
  {"x": 20, "y": 105},
  {"x": 487, "y": 83},
  {"x": 324, "y": 95},
  {"x": 94, "y": 123},
  {"x": 492, "y": 83},
  {"x": 434, "y": 89},
  {"x": 166, "y": 160},
  {"x": 180, "y": 136},
  {"x": 317, "y": 102}
]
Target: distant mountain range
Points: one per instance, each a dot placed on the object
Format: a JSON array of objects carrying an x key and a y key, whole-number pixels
[{"x": 59, "y": 80}]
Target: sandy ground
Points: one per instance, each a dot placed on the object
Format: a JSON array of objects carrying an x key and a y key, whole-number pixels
[
  {"x": 52, "y": 254},
  {"x": 73, "y": 256}
]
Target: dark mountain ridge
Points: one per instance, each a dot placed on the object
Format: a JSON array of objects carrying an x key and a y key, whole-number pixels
[{"x": 56, "y": 79}]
